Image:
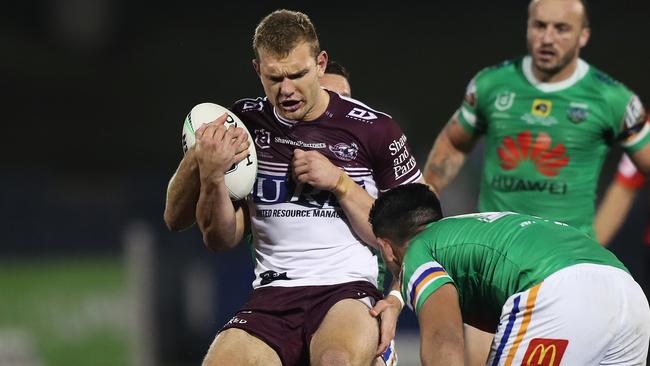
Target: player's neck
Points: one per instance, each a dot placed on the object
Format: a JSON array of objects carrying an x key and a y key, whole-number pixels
[
  {"x": 320, "y": 107},
  {"x": 554, "y": 77}
]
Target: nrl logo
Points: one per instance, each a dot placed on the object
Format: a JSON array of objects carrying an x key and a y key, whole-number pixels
[
  {"x": 504, "y": 101},
  {"x": 262, "y": 138}
]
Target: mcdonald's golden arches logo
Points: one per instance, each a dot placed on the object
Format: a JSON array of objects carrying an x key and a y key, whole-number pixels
[{"x": 544, "y": 352}]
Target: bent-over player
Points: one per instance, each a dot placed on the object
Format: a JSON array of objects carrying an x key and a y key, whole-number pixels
[{"x": 553, "y": 295}]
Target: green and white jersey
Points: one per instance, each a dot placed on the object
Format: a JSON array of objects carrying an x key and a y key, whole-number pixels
[
  {"x": 491, "y": 256},
  {"x": 546, "y": 142}
]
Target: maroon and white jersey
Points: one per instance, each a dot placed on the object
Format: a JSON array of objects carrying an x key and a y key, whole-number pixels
[{"x": 301, "y": 236}]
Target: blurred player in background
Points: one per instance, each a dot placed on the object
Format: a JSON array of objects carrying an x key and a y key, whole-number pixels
[
  {"x": 322, "y": 159},
  {"x": 549, "y": 119},
  {"x": 554, "y": 295},
  {"x": 618, "y": 201},
  {"x": 336, "y": 79}
]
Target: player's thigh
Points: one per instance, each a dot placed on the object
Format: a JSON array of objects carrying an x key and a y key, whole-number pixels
[
  {"x": 477, "y": 345},
  {"x": 237, "y": 347},
  {"x": 347, "y": 335}
]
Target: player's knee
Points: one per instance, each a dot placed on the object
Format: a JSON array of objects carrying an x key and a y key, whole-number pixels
[
  {"x": 342, "y": 357},
  {"x": 333, "y": 357}
]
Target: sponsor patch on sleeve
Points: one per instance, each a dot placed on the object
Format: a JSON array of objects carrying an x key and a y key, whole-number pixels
[{"x": 634, "y": 113}]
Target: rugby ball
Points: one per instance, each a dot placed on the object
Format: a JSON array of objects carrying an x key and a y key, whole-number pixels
[{"x": 240, "y": 178}]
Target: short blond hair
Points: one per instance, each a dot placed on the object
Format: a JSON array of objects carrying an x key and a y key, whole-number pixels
[{"x": 283, "y": 30}]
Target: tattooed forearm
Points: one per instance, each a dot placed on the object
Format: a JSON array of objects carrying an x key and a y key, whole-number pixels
[
  {"x": 443, "y": 170},
  {"x": 443, "y": 163}
]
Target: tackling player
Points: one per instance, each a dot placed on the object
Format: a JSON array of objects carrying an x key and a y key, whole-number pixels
[
  {"x": 554, "y": 295},
  {"x": 337, "y": 79}
]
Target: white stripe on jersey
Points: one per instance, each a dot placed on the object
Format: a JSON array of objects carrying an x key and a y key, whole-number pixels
[
  {"x": 469, "y": 116},
  {"x": 284, "y": 121},
  {"x": 264, "y": 162},
  {"x": 360, "y": 169},
  {"x": 272, "y": 168},
  {"x": 277, "y": 172},
  {"x": 414, "y": 277}
]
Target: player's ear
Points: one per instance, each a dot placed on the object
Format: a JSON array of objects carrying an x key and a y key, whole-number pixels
[
  {"x": 386, "y": 249},
  {"x": 256, "y": 66},
  {"x": 393, "y": 265},
  {"x": 585, "y": 33},
  {"x": 321, "y": 63}
]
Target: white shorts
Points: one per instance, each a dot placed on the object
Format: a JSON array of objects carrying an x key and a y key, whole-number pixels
[{"x": 585, "y": 314}]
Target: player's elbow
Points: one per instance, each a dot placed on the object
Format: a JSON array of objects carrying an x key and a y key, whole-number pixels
[
  {"x": 172, "y": 225},
  {"x": 218, "y": 243},
  {"x": 174, "y": 222}
]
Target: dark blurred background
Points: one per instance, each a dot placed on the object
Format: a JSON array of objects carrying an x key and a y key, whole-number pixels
[{"x": 94, "y": 93}]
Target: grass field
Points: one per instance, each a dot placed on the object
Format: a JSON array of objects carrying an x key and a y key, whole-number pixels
[{"x": 64, "y": 312}]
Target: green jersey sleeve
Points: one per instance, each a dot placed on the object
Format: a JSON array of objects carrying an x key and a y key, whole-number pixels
[
  {"x": 628, "y": 116},
  {"x": 636, "y": 131},
  {"x": 422, "y": 275},
  {"x": 468, "y": 113}
]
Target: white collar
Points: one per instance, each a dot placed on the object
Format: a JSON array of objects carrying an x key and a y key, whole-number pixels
[{"x": 580, "y": 72}]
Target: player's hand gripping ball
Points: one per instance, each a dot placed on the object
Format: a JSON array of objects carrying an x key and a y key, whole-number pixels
[{"x": 240, "y": 178}]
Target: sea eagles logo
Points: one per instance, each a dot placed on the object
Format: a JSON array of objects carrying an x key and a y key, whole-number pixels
[
  {"x": 548, "y": 160},
  {"x": 344, "y": 151},
  {"x": 262, "y": 138}
]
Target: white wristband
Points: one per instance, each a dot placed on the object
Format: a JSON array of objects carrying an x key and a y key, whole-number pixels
[{"x": 398, "y": 295}]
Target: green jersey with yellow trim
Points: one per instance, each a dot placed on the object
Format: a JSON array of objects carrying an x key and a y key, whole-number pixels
[
  {"x": 491, "y": 256},
  {"x": 546, "y": 142}
]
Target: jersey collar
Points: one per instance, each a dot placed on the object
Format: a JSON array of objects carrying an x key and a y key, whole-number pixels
[{"x": 578, "y": 74}]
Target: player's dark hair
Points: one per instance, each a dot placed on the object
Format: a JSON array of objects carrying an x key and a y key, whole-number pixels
[
  {"x": 398, "y": 214},
  {"x": 282, "y": 30},
  {"x": 336, "y": 68}
]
